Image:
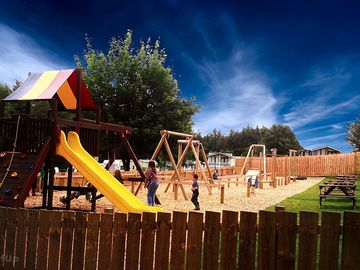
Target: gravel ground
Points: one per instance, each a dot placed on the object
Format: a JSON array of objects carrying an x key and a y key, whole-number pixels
[{"x": 235, "y": 198}]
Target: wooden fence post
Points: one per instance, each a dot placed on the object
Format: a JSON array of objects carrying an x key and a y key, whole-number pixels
[
  {"x": 211, "y": 240},
  {"x": 229, "y": 235},
  {"x": 351, "y": 241}
]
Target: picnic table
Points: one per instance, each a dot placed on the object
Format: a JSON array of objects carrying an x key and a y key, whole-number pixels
[{"x": 344, "y": 188}]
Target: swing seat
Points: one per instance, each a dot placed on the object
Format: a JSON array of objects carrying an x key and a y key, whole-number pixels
[
  {"x": 3, "y": 154},
  {"x": 14, "y": 174}
]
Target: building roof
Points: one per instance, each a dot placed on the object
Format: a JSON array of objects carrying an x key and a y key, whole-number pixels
[
  {"x": 326, "y": 146},
  {"x": 60, "y": 83},
  {"x": 229, "y": 155}
]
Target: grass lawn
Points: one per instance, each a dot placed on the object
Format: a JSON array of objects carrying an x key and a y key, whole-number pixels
[{"x": 309, "y": 201}]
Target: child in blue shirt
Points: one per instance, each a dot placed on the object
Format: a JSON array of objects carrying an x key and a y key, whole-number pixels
[{"x": 195, "y": 190}]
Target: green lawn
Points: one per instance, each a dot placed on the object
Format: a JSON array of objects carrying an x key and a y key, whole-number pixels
[{"x": 309, "y": 201}]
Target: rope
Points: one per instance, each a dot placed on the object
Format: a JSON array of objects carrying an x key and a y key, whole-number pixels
[{"x": 13, "y": 152}]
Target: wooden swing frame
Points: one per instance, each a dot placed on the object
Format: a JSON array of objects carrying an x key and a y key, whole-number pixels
[{"x": 195, "y": 147}]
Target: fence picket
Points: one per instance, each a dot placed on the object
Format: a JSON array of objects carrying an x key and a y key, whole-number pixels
[
  {"x": 54, "y": 245},
  {"x": 67, "y": 238},
  {"x": 79, "y": 240},
  {"x": 247, "y": 241},
  {"x": 178, "y": 240},
  {"x": 329, "y": 240},
  {"x": 20, "y": 244},
  {"x": 194, "y": 241},
  {"x": 211, "y": 240},
  {"x": 106, "y": 226},
  {"x": 32, "y": 233},
  {"x": 351, "y": 241},
  {"x": 133, "y": 241},
  {"x": 162, "y": 241},
  {"x": 10, "y": 237},
  {"x": 92, "y": 236},
  {"x": 147, "y": 241},
  {"x": 2, "y": 233},
  {"x": 308, "y": 234},
  {"x": 44, "y": 224},
  {"x": 267, "y": 241},
  {"x": 118, "y": 251},
  {"x": 286, "y": 242},
  {"x": 229, "y": 233}
]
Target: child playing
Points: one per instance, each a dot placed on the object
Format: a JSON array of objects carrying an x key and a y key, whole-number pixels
[{"x": 195, "y": 190}]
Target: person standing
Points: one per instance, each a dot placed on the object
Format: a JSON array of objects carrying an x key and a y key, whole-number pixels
[
  {"x": 151, "y": 182},
  {"x": 195, "y": 192}
]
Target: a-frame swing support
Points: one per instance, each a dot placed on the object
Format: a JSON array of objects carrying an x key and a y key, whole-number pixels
[
  {"x": 248, "y": 154},
  {"x": 176, "y": 176}
]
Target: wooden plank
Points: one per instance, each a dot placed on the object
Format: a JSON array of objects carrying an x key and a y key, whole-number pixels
[
  {"x": 2, "y": 233},
  {"x": 211, "y": 240},
  {"x": 329, "y": 240},
  {"x": 79, "y": 240},
  {"x": 286, "y": 242},
  {"x": 229, "y": 233},
  {"x": 67, "y": 237},
  {"x": 20, "y": 244},
  {"x": 106, "y": 226},
  {"x": 308, "y": 234},
  {"x": 32, "y": 233},
  {"x": 162, "y": 241},
  {"x": 267, "y": 240},
  {"x": 147, "y": 241},
  {"x": 9, "y": 257},
  {"x": 133, "y": 241},
  {"x": 44, "y": 225},
  {"x": 118, "y": 250},
  {"x": 54, "y": 245},
  {"x": 91, "y": 246},
  {"x": 351, "y": 241},
  {"x": 194, "y": 241},
  {"x": 247, "y": 241},
  {"x": 178, "y": 240}
]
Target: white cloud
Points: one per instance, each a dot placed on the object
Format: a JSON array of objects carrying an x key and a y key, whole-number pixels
[
  {"x": 325, "y": 101},
  {"x": 239, "y": 95},
  {"x": 20, "y": 54}
]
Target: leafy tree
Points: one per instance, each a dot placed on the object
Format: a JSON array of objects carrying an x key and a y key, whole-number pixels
[
  {"x": 134, "y": 87},
  {"x": 353, "y": 134},
  {"x": 280, "y": 137}
]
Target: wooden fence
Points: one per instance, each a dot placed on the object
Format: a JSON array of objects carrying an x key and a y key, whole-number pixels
[
  {"x": 324, "y": 165},
  {"x": 41, "y": 239}
]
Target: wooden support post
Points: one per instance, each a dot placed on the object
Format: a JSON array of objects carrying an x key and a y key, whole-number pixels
[
  {"x": 158, "y": 147},
  {"x": 201, "y": 168},
  {"x": 45, "y": 180},
  {"x": 206, "y": 162},
  {"x": 132, "y": 187},
  {"x": 197, "y": 148},
  {"x": 179, "y": 162},
  {"x": 68, "y": 186},
  {"x": 174, "y": 166},
  {"x": 248, "y": 189},
  {"x": 222, "y": 194}
]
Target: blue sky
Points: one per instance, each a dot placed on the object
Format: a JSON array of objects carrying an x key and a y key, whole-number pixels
[{"x": 246, "y": 62}]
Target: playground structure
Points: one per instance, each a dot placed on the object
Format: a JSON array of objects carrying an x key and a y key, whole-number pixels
[
  {"x": 29, "y": 143},
  {"x": 196, "y": 147}
]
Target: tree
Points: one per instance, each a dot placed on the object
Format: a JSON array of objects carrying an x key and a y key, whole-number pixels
[
  {"x": 353, "y": 134},
  {"x": 134, "y": 87},
  {"x": 280, "y": 137}
]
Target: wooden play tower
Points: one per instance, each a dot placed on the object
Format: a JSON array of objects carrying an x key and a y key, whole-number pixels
[{"x": 28, "y": 143}]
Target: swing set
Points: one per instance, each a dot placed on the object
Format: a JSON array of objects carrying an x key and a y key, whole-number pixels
[{"x": 196, "y": 147}]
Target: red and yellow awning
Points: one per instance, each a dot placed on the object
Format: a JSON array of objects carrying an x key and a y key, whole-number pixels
[{"x": 63, "y": 83}]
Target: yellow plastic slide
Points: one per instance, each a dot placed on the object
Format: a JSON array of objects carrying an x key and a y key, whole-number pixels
[{"x": 104, "y": 181}]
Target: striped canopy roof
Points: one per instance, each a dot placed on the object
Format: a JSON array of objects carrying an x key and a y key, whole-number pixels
[{"x": 63, "y": 83}]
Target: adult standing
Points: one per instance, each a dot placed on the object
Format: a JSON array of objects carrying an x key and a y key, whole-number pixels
[{"x": 151, "y": 182}]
